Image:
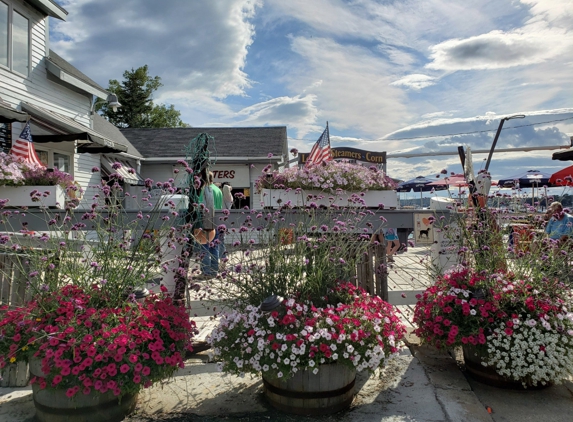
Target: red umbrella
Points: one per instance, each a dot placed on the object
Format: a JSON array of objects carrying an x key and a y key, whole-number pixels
[{"x": 563, "y": 177}]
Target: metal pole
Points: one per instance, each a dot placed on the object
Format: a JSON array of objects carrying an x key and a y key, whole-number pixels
[
  {"x": 494, "y": 143},
  {"x": 517, "y": 116}
]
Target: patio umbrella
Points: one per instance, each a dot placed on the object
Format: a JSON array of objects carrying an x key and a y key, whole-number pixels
[
  {"x": 530, "y": 179},
  {"x": 420, "y": 184},
  {"x": 563, "y": 177}
]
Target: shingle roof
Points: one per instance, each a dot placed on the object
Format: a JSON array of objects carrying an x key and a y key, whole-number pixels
[
  {"x": 108, "y": 130},
  {"x": 68, "y": 68},
  {"x": 229, "y": 141}
]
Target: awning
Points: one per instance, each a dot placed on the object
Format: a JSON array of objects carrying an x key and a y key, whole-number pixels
[
  {"x": 9, "y": 115},
  {"x": 129, "y": 178},
  {"x": 566, "y": 155},
  {"x": 93, "y": 142}
]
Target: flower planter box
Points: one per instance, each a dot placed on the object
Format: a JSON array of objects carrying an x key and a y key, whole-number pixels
[
  {"x": 19, "y": 196},
  {"x": 372, "y": 199},
  {"x": 329, "y": 391}
]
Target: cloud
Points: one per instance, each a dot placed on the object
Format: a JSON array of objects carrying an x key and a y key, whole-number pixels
[
  {"x": 448, "y": 127},
  {"x": 189, "y": 53},
  {"x": 299, "y": 111},
  {"x": 498, "y": 49},
  {"x": 415, "y": 81},
  {"x": 355, "y": 93},
  {"x": 545, "y": 35}
]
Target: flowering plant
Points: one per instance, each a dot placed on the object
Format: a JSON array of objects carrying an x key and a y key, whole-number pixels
[
  {"x": 328, "y": 176},
  {"x": 82, "y": 276},
  {"x": 16, "y": 172},
  {"x": 524, "y": 324},
  {"x": 84, "y": 345},
  {"x": 362, "y": 333}
]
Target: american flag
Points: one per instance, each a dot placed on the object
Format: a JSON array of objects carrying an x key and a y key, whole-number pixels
[
  {"x": 24, "y": 148},
  {"x": 321, "y": 150}
]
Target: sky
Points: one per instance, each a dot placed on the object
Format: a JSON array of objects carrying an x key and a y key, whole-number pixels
[{"x": 415, "y": 76}]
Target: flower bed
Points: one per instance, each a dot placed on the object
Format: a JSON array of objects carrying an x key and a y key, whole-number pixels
[
  {"x": 363, "y": 334},
  {"x": 327, "y": 177},
  {"x": 84, "y": 347},
  {"x": 523, "y": 327},
  {"x": 300, "y": 198},
  {"x": 23, "y": 184}
]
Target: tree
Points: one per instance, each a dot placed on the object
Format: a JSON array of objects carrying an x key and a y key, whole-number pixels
[{"x": 137, "y": 109}]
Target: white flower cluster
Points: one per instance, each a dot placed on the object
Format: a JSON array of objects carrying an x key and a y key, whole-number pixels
[
  {"x": 253, "y": 342},
  {"x": 534, "y": 353}
]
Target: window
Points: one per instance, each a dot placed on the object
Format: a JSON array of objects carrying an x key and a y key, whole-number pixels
[
  {"x": 43, "y": 156},
  {"x": 20, "y": 43},
  {"x": 62, "y": 162},
  {"x": 14, "y": 40},
  {"x": 3, "y": 34},
  {"x": 56, "y": 160}
]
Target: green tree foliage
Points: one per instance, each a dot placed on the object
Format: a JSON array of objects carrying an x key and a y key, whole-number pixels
[{"x": 137, "y": 108}]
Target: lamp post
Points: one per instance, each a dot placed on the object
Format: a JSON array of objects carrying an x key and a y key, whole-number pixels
[{"x": 517, "y": 116}]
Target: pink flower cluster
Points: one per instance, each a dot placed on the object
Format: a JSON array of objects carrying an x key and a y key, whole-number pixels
[
  {"x": 84, "y": 347},
  {"x": 363, "y": 333},
  {"x": 464, "y": 307}
]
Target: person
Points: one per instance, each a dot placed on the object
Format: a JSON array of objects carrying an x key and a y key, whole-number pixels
[
  {"x": 393, "y": 243},
  {"x": 227, "y": 195},
  {"x": 212, "y": 199},
  {"x": 560, "y": 224}
]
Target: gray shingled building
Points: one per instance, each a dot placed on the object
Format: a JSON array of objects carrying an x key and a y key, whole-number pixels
[{"x": 238, "y": 153}]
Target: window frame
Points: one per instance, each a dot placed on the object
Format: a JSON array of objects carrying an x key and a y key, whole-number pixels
[
  {"x": 51, "y": 152},
  {"x": 10, "y": 66}
]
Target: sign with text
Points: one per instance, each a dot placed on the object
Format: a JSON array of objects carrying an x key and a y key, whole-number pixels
[
  {"x": 5, "y": 137},
  {"x": 373, "y": 157},
  {"x": 237, "y": 176}
]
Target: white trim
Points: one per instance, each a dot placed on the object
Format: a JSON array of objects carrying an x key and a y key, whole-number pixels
[
  {"x": 49, "y": 8},
  {"x": 72, "y": 80}
]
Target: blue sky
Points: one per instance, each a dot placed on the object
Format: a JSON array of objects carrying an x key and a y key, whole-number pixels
[{"x": 380, "y": 72}]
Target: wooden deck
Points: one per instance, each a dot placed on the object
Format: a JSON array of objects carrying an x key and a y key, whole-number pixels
[{"x": 407, "y": 277}]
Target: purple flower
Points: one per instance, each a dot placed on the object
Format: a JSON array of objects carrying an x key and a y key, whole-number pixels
[
  {"x": 95, "y": 169},
  {"x": 270, "y": 155},
  {"x": 116, "y": 166}
]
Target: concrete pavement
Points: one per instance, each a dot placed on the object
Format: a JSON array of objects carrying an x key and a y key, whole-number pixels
[{"x": 420, "y": 385}]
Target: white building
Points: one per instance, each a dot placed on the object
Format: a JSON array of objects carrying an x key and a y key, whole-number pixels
[{"x": 38, "y": 85}]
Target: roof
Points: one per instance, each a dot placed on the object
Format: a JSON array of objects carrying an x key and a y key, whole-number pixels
[
  {"x": 229, "y": 141},
  {"x": 50, "y": 8},
  {"x": 66, "y": 125},
  {"x": 105, "y": 128},
  {"x": 69, "y": 74}
]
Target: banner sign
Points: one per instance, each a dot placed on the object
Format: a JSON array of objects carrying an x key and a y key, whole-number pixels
[
  {"x": 374, "y": 157},
  {"x": 5, "y": 137}
]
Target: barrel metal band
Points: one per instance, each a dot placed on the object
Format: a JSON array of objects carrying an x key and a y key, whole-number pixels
[
  {"x": 308, "y": 394},
  {"x": 82, "y": 409}
]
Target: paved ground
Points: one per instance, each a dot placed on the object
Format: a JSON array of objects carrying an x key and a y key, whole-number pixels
[
  {"x": 421, "y": 385},
  {"x": 425, "y": 386}
]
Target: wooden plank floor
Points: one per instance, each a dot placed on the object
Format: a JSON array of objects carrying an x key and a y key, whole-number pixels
[{"x": 408, "y": 276}]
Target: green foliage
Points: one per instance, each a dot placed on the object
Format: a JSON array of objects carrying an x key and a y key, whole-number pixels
[{"x": 137, "y": 108}]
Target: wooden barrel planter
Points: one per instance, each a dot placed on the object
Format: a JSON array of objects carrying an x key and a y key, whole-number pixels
[
  {"x": 329, "y": 391},
  {"x": 487, "y": 374},
  {"x": 52, "y": 404}
]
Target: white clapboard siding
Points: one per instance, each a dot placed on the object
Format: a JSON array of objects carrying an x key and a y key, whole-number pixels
[
  {"x": 36, "y": 89},
  {"x": 83, "y": 164}
]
